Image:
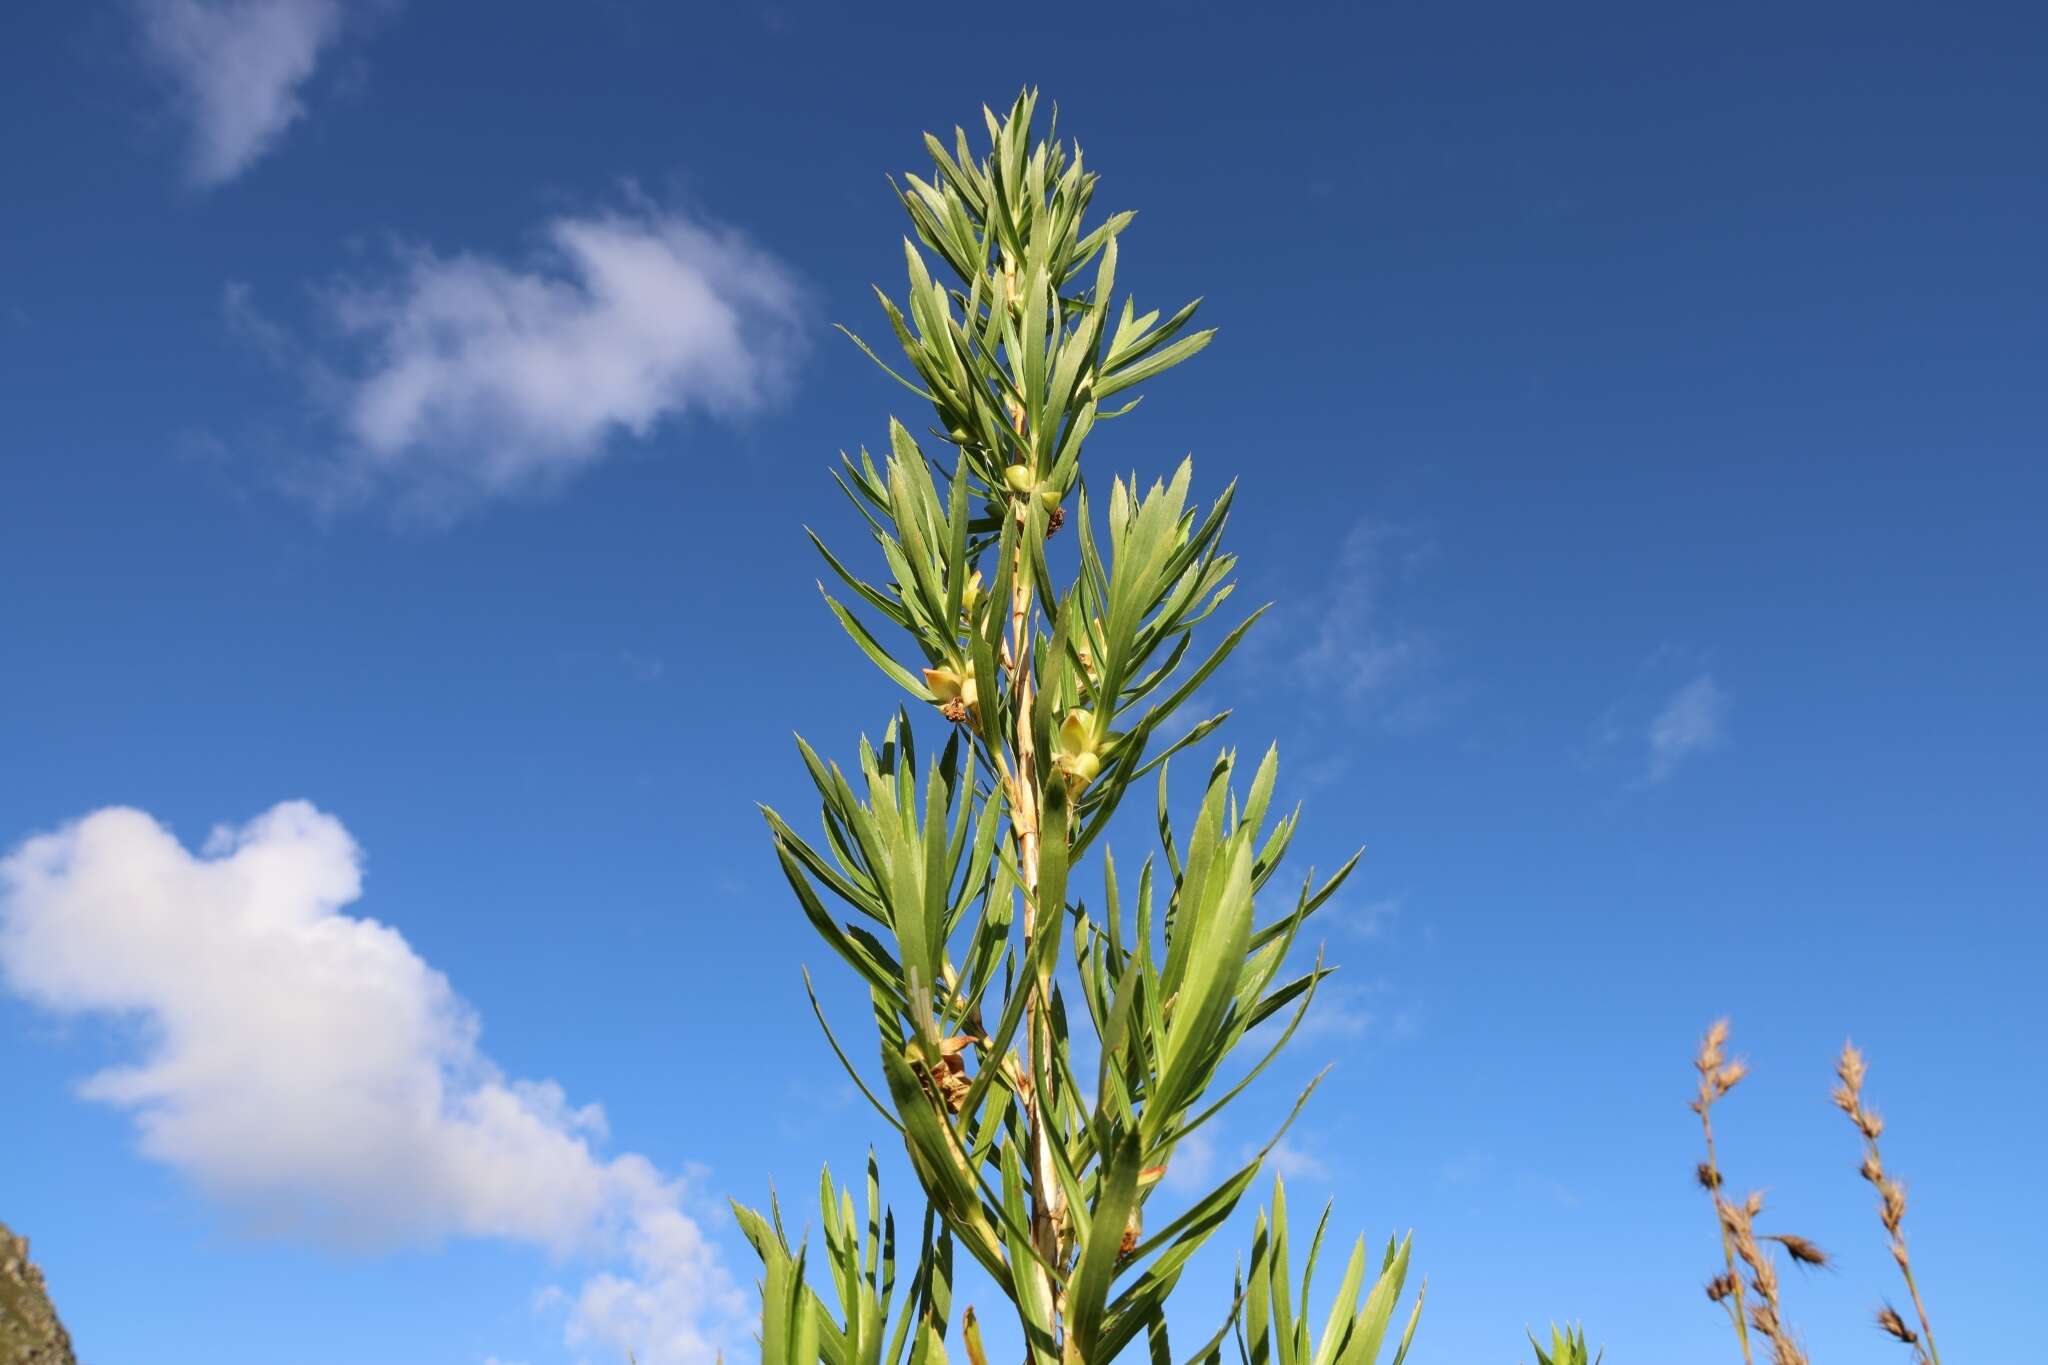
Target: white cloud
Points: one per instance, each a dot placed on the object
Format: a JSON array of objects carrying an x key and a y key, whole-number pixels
[
  {"x": 1292, "y": 1163},
  {"x": 1367, "y": 919},
  {"x": 1359, "y": 651},
  {"x": 467, "y": 374},
  {"x": 670, "y": 1305},
  {"x": 308, "y": 1069},
  {"x": 1192, "y": 1169},
  {"x": 1694, "y": 721},
  {"x": 238, "y": 67}
]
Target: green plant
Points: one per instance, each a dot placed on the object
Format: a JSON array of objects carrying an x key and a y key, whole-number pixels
[
  {"x": 1270, "y": 1331},
  {"x": 1567, "y": 1347},
  {"x": 951, "y": 886}
]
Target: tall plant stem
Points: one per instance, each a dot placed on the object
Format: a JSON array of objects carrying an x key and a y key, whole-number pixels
[
  {"x": 1736, "y": 1311},
  {"x": 1047, "y": 1196},
  {"x": 1919, "y": 1308},
  {"x": 1897, "y": 1232}
]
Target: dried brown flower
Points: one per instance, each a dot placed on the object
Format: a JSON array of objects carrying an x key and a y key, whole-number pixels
[
  {"x": 1800, "y": 1249},
  {"x": 1711, "y": 1046},
  {"x": 1894, "y": 1211},
  {"x": 1850, "y": 1069}
]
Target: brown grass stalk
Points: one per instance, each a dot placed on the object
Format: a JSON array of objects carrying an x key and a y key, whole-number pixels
[
  {"x": 1717, "y": 1077},
  {"x": 1748, "y": 1290},
  {"x": 1891, "y": 1203},
  {"x": 1766, "y": 1312}
]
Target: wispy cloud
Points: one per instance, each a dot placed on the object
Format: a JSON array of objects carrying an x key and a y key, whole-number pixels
[
  {"x": 1694, "y": 721},
  {"x": 238, "y": 69},
  {"x": 1192, "y": 1171},
  {"x": 1377, "y": 1008},
  {"x": 1349, "y": 648},
  {"x": 1359, "y": 651},
  {"x": 1365, "y": 919},
  {"x": 1294, "y": 1163},
  {"x": 457, "y": 376},
  {"x": 306, "y": 1068}
]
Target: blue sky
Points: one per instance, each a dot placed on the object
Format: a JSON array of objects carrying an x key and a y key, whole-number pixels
[{"x": 410, "y": 410}]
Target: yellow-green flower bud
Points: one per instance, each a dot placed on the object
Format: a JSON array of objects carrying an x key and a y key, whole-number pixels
[
  {"x": 1077, "y": 732},
  {"x": 1018, "y": 477},
  {"x": 1049, "y": 497},
  {"x": 1077, "y": 761},
  {"x": 953, "y": 690}
]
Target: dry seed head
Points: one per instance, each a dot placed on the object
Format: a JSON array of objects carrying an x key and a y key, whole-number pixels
[
  {"x": 1709, "y": 1178},
  {"x": 1850, "y": 1068},
  {"x": 1894, "y": 1210},
  {"x": 1800, "y": 1249},
  {"x": 1872, "y": 1169},
  {"x": 1888, "y": 1319},
  {"x": 1710, "y": 1056},
  {"x": 1720, "y": 1287},
  {"x": 1725, "y": 1078},
  {"x": 1754, "y": 1205}
]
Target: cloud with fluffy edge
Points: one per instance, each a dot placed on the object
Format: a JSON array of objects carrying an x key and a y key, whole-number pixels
[
  {"x": 306, "y": 1068},
  {"x": 457, "y": 376},
  {"x": 237, "y": 68}
]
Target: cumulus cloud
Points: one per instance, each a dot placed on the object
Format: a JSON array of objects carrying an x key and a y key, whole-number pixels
[
  {"x": 669, "y": 1304},
  {"x": 308, "y": 1069},
  {"x": 238, "y": 68},
  {"x": 464, "y": 374},
  {"x": 1694, "y": 721}
]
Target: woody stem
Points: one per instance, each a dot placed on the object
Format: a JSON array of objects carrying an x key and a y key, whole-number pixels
[{"x": 1047, "y": 1197}]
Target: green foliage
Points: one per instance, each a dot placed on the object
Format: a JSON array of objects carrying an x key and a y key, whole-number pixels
[
  {"x": 952, "y": 886},
  {"x": 797, "y": 1327},
  {"x": 1275, "y": 1327},
  {"x": 1567, "y": 1347}
]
